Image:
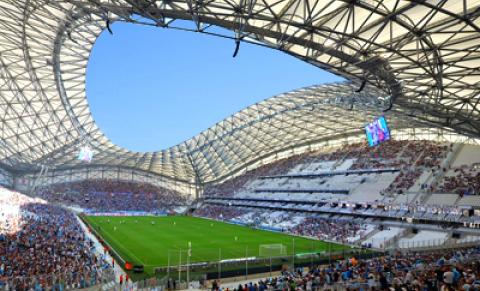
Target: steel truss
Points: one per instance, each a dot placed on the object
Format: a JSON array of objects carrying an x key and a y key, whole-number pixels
[{"x": 417, "y": 60}]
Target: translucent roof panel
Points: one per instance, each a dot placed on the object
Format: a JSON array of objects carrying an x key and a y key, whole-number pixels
[{"x": 419, "y": 61}]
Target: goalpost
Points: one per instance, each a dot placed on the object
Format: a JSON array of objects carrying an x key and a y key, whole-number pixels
[{"x": 272, "y": 250}]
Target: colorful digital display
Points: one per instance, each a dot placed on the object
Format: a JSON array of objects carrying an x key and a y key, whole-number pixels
[
  {"x": 377, "y": 131},
  {"x": 85, "y": 154}
]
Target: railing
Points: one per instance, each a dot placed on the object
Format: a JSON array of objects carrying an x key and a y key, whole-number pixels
[
  {"x": 441, "y": 243},
  {"x": 391, "y": 241},
  {"x": 243, "y": 269},
  {"x": 427, "y": 244},
  {"x": 60, "y": 281},
  {"x": 383, "y": 243}
]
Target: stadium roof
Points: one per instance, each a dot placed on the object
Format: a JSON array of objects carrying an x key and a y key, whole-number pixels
[{"x": 418, "y": 60}]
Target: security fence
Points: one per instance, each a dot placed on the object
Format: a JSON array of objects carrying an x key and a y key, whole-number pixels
[{"x": 185, "y": 266}]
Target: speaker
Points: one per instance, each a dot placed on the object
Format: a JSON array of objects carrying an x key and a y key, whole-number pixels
[{"x": 414, "y": 230}]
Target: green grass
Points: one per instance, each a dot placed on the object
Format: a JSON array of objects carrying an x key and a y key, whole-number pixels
[{"x": 139, "y": 241}]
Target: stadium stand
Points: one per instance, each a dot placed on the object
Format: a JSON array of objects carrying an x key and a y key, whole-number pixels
[
  {"x": 348, "y": 195},
  {"x": 470, "y": 200},
  {"x": 442, "y": 199},
  {"x": 108, "y": 195},
  {"x": 410, "y": 158},
  {"x": 434, "y": 238},
  {"x": 218, "y": 212},
  {"x": 43, "y": 247},
  {"x": 446, "y": 270},
  {"x": 464, "y": 181},
  {"x": 340, "y": 230},
  {"x": 296, "y": 162},
  {"x": 384, "y": 237},
  {"x": 348, "y": 204}
]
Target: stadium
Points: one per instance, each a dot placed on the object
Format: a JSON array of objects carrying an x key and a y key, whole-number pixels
[{"x": 371, "y": 183}]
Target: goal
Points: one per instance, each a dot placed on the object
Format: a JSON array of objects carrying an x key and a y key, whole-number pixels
[{"x": 272, "y": 250}]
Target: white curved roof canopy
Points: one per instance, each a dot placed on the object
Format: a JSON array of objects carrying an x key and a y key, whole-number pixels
[{"x": 422, "y": 57}]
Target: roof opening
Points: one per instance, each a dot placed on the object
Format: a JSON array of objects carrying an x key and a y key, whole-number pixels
[{"x": 151, "y": 88}]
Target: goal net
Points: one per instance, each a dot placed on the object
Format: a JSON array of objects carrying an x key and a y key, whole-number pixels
[{"x": 272, "y": 250}]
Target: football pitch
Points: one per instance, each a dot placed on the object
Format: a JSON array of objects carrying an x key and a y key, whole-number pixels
[{"x": 161, "y": 241}]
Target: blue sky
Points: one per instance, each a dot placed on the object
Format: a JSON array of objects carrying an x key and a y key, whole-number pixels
[{"x": 151, "y": 88}]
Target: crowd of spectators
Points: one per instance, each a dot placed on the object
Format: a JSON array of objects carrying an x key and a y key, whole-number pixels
[
  {"x": 285, "y": 215},
  {"x": 416, "y": 158},
  {"x": 229, "y": 187},
  {"x": 403, "y": 181},
  {"x": 43, "y": 247},
  {"x": 111, "y": 195},
  {"x": 340, "y": 230},
  {"x": 343, "y": 230},
  {"x": 464, "y": 181},
  {"x": 218, "y": 212},
  {"x": 428, "y": 271},
  {"x": 387, "y": 152},
  {"x": 11, "y": 203},
  {"x": 400, "y": 154},
  {"x": 411, "y": 157},
  {"x": 433, "y": 154}
]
